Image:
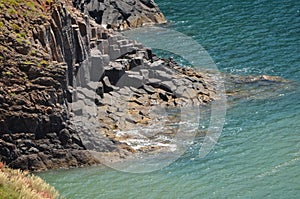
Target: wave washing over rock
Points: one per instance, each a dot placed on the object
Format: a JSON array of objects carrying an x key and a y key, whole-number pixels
[{"x": 69, "y": 85}]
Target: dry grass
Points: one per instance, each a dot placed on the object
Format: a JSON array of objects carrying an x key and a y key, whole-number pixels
[{"x": 19, "y": 184}]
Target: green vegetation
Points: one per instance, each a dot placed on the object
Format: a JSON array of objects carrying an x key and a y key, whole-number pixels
[
  {"x": 21, "y": 38},
  {"x": 27, "y": 62},
  {"x": 43, "y": 63},
  {"x": 13, "y": 2},
  {"x": 21, "y": 35},
  {"x": 7, "y": 73},
  {"x": 31, "y": 5},
  {"x": 3, "y": 48},
  {"x": 7, "y": 192},
  {"x": 25, "y": 77},
  {"x": 30, "y": 9},
  {"x": 32, "y": 52},
  {"x": 15, "y": 184},
  {"x": 11, "y": 11},
  {"x": 15, "y": 27}
]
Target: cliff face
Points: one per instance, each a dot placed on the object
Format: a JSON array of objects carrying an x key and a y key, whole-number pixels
[
  {"x": 122, "y": 14},
  {"x": 40, "y": 44}
]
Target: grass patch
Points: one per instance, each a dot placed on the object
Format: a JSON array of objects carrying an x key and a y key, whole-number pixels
[
  {"x": 31, "y": 5},
  {"x": 11, "y": 2},
  {"x": 7, "y": 73},
  {"x": 43, "y": 63},
  {"x": 15, "y": 184},
  {"x": 15, "y": 27},
  {"x": 12, "y": 94},
  {"x": 21, "y": 35},
  {"x": 27, "y": 62},
  {"x": 7, "y": 192},
  {"x": 11, "y": 11},
  {"x": 3, "y": 48},
  {"x": 32, "y": 52},
  {"x": 21, "y": 38}
]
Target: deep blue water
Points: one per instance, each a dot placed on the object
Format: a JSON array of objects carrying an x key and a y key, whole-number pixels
[{"x": 258, "y": 153}]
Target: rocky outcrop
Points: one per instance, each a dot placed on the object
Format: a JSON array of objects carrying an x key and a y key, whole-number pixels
[
  {"x": 65, "y": 82},
  {"x": 120, "y": 73},
  {"x": 122, "y": 14},
  {"x": 50, "y": 71},
  {"x": 69, "y": 85}
]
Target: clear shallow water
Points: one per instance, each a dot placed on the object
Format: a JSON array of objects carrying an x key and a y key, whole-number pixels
[{"x": 258, "y": 153}]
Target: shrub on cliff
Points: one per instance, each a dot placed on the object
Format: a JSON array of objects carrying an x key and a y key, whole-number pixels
[{"x": 17, "y": 184}]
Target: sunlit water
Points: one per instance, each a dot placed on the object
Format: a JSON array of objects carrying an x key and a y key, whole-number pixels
[{"x": 258, "y": 153}]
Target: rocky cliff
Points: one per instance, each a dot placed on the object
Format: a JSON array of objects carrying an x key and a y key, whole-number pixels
[
  {"x": 39, "y": 48},
  {"x": 69, "y": 84},
  {"x": 57, "y": 67}
]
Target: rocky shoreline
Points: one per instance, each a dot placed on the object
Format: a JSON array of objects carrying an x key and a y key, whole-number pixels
[
  {"x": 69, "y": 85},
  {"x": 48, "y": 51}
]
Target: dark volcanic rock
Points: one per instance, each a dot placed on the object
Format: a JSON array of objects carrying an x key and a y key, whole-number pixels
[{"x": 122, "y": 14}]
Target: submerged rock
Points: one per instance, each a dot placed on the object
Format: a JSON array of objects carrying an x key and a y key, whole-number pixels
[{"x": 256, "y": 87}]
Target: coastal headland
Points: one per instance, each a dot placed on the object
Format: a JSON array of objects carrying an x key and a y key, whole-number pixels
[{"x": 71, "y": 82}]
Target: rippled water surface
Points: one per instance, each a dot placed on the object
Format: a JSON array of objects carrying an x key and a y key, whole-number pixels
[{"x": 258, "y": 153}]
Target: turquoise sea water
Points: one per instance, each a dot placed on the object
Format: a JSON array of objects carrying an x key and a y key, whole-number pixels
[{"x": 258, "y": 153}]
